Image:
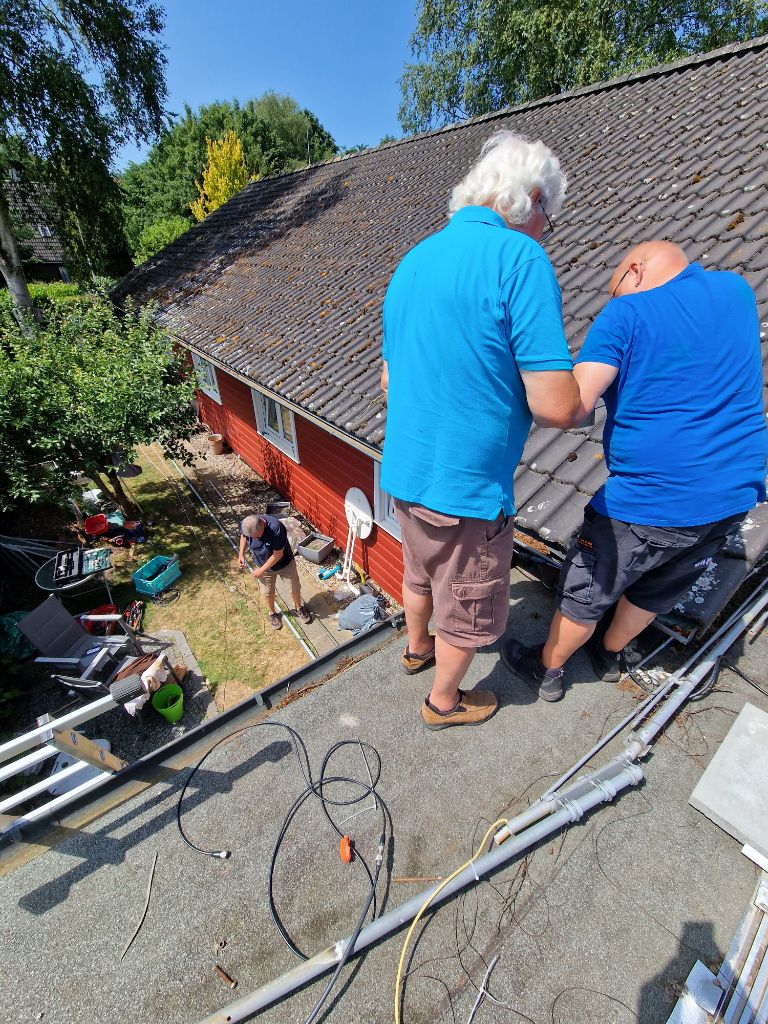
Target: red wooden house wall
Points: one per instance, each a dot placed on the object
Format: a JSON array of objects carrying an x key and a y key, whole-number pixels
[{"x": 316, "y": 486}]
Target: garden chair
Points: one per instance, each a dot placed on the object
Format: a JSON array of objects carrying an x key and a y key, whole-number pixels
[{"x": 64, "y": 644}]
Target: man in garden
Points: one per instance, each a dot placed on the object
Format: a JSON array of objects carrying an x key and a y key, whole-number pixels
[
  {"x": 267, "y": 540},
  {"x": 473, "y": 347},
  {"x": 676, "y": 355}
]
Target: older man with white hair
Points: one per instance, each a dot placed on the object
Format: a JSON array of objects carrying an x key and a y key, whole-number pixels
[{"x": 473, "y": 350}]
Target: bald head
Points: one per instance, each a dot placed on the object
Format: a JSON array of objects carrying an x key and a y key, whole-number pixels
[{"x": 648, "y": 265}]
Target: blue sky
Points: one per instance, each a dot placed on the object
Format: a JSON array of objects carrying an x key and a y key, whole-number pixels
[{"x": 340, "y": 58}]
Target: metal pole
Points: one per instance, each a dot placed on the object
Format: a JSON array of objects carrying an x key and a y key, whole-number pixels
[
  {"x": 394, "y": 920},
  {"x": 39, "y": 735},
  {"x": 650, "y": 731}
]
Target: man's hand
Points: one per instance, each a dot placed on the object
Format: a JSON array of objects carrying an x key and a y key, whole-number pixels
[
  {"x": 257, "y": 572},
  {"x": 241, "y": 561},
  {"x": 553, "y": 397},
  {"x": 385, "y": 379}
]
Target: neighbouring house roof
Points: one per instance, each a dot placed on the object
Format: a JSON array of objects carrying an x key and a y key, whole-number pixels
[
  {"x": 284, "y": 284},
  {"x": 38, "y": 235}
]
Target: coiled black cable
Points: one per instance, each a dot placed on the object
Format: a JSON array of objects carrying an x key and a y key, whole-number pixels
[{"x": 312, "y": 789}]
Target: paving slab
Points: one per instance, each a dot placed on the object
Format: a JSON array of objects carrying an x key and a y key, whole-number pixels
[
  {"x": 733, "y": 791},
  {"x": 601, "y": 924}
]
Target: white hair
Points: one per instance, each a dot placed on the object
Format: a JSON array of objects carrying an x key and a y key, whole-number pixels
[{"x": 506, "y": 172}]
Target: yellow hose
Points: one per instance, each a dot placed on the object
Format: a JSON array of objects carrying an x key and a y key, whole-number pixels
[{"x": 478, "y": 851}]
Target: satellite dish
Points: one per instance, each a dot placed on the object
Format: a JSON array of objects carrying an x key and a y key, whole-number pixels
[
  {"x": 359, "y": 514},
  {"x": 360, "y": 519}
]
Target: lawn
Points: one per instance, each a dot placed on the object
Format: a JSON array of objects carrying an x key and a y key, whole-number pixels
[{"x": 218, "y": 606}]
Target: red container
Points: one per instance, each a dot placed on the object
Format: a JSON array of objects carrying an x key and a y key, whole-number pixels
[
  {"x": 101, "y": 628},
  {"x": 95, "y": 526}
]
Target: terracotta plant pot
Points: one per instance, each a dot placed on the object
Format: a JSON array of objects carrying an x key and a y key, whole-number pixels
[{"x": 216, "y": 442}]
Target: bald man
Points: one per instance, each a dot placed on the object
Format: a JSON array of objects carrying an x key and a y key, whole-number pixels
[{"x": 675, "y": 353}]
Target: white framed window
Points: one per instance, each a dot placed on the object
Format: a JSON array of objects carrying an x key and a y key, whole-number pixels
[
  {"x": 207, "y": 380},
  {"x": 276, "y": 424},
  {"x": 44, "y": 231},
  {"x": 384, "y": 505}
]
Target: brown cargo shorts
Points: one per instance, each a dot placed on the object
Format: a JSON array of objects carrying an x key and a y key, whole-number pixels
[
  {"x": 289, "y": 573},
  {"x": 464, "y": 565}
]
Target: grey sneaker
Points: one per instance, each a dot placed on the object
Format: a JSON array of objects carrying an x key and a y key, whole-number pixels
[
  {"x": 276, "y": 620},
  {"x": 304, "y": 614},
  {"x": 526, "y": 663},
  {"x": 608, "y": 665}
]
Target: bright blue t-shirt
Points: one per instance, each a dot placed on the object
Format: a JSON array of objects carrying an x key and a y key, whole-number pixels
[
  {"x": 465, "y": 311},
  {"x": 685, "y": 436}
]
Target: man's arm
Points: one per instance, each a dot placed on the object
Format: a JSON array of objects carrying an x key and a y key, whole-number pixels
[
  {"x": 553, "y": 397},
  {"x": 385, "y": 379},
  {"x": 593, "y": 379},
  {"x": 241, "y": 553},
  {"x": 273, "y": 559}
]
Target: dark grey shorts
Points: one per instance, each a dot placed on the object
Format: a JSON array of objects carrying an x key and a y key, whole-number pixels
[{"x": 652, "y": 566}]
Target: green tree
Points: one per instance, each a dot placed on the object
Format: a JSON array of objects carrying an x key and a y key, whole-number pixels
[
  {"x": 225, "y": 175},
  {"x": 273, "y": 131},
  {"x": 79, "y": 79},
  {"x": 158, "y": 235},
  {"x": 476, "y": 56},
  {"x": 86, "y": 384}
]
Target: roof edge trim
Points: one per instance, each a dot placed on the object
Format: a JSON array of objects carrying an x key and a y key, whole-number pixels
[{"x": 318, "y": 421}]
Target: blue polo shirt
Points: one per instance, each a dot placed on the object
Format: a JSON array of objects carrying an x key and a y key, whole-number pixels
[
  {"x": 465, "y": 311},
  {"x": 685, "y": 437}
]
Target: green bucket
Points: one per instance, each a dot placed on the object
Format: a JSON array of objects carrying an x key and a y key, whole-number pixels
[{"x": 169, "y": 701}]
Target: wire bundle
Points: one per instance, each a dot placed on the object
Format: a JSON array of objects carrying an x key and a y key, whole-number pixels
[{"x": 313, "y": 788}]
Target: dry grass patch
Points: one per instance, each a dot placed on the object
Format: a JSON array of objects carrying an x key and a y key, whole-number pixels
[{"x": 218, "y": 606}]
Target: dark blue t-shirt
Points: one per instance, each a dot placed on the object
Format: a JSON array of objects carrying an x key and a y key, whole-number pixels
[
  {"x": 274, "y": 538},
  {"x": 685, "y": 438}
]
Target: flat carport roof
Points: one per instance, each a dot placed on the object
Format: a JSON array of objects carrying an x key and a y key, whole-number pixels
[{"x": 600, "y": 924}]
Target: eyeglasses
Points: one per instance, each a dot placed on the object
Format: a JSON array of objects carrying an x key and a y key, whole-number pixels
[
  {"x": 621, "y": 279},
  {"x": 550, "y": 225}
]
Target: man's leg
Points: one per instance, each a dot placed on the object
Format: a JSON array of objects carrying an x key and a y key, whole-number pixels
[
  {"x": 565, "y": 638},
  {"x": 291, "y": 574},
  {"x": 452, "y": 664},
  {"x": 267, "y": 588},
  {"x": 418, "y": 611},
  {"x": 629, "y": 621},
  {"x": 591, "y": 580}
]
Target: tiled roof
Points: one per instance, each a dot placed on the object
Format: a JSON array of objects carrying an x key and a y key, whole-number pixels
[
  {"x": 26, "y": 207},
  {"x": 284, "y": 284}
]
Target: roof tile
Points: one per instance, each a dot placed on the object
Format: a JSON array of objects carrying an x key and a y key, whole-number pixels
[{"x": 284, "y": 284}]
